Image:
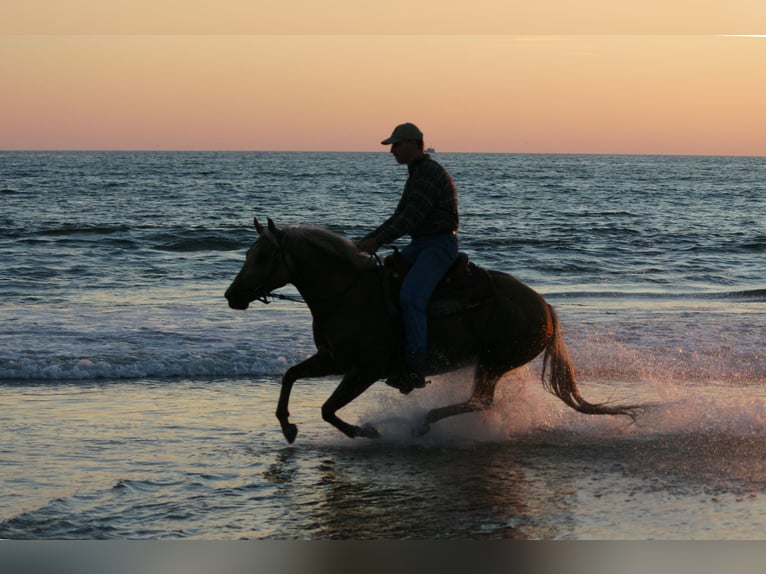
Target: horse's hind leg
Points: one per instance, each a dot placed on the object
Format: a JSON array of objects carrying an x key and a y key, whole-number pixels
[{"x": 483, "y": 394}]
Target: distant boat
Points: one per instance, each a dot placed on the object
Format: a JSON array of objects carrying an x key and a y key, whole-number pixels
[{"x": 430, "y": 150}]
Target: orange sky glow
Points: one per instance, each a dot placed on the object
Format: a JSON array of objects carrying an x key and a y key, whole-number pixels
[{"x": 549, "y": 76}]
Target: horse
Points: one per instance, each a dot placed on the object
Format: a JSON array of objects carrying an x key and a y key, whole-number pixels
[{"x": 359, "y": 338}]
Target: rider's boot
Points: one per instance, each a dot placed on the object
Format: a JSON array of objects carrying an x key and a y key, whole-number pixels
[{"x": 409, "y": 377}]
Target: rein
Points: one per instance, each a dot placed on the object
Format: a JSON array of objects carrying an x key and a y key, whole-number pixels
[{"x": 268, "y": 297}]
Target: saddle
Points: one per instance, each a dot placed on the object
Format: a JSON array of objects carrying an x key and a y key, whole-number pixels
[{"x": 464, "y": 286}]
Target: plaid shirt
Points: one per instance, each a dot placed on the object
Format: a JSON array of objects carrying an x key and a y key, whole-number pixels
[{"x": 428, "y": 205}]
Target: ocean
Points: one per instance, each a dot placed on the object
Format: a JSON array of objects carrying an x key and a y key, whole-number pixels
[{"x": 137, "y": 405}]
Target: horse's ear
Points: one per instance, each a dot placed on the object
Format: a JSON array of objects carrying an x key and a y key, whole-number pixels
[
  {"x": 274, "y": 233},
  {"x": 271, "y": 232}
]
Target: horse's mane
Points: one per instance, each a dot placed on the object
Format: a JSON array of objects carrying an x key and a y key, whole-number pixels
[{"x": 330, "y": 242}]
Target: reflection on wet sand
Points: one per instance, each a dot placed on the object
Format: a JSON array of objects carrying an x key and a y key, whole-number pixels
[{"x": 374, "y": 492}]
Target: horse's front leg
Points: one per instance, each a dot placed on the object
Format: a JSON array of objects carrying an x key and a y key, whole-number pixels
[
  {"x": 318, "y": 365},
  {"x": 352, "y": 385}
]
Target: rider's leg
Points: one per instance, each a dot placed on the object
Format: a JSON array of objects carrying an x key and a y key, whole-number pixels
[{"x": 431, "y": 258}]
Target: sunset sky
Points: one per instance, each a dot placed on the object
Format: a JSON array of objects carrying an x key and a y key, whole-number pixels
[{"x": 550, "y": 76}]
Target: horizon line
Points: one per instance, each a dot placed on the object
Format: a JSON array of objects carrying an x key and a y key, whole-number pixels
[{"x": 435, "y": 153}]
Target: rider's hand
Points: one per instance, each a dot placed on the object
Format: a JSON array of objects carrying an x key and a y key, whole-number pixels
[{"x": 370, "y": 245}]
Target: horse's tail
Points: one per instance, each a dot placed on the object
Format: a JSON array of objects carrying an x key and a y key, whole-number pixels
[{"x": 561, "y": 378}]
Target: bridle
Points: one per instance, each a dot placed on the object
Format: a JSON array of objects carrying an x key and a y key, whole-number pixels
[{"x": 267, "y": 298}]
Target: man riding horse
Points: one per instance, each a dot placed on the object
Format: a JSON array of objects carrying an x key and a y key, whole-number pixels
[{"x": 357, "y": 336}]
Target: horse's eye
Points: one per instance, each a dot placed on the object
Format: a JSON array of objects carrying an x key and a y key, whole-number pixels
[{"x": 261, "y": 259}]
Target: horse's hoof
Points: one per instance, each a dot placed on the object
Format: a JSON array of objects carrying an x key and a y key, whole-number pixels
[
  {"x": 422, "y": 429},
  {"x": 369, "y": 431},
  {"x": 290, "y": 431}
]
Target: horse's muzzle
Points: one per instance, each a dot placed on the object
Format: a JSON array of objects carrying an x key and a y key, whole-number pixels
[
  {"x": 239, "y": 305},
  {"x": 236, "y": 300}
]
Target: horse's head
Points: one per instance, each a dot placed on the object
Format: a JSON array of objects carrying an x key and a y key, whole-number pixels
[{"x": 263, "y": 271}]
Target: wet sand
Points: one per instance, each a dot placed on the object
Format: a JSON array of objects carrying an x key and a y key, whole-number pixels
[{"x": 206, "y": 460}]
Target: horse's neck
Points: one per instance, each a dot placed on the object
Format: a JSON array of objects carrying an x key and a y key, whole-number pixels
[{"x": 321, "y": 279}]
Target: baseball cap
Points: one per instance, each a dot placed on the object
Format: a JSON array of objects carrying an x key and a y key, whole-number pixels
[{"x": 404, "y": 132}]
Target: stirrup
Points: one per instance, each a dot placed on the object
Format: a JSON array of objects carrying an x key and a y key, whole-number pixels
[{"x": 407, "y": 381}]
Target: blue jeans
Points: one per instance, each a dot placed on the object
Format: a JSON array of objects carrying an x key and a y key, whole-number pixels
[{"x": 430, "y": 257}]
